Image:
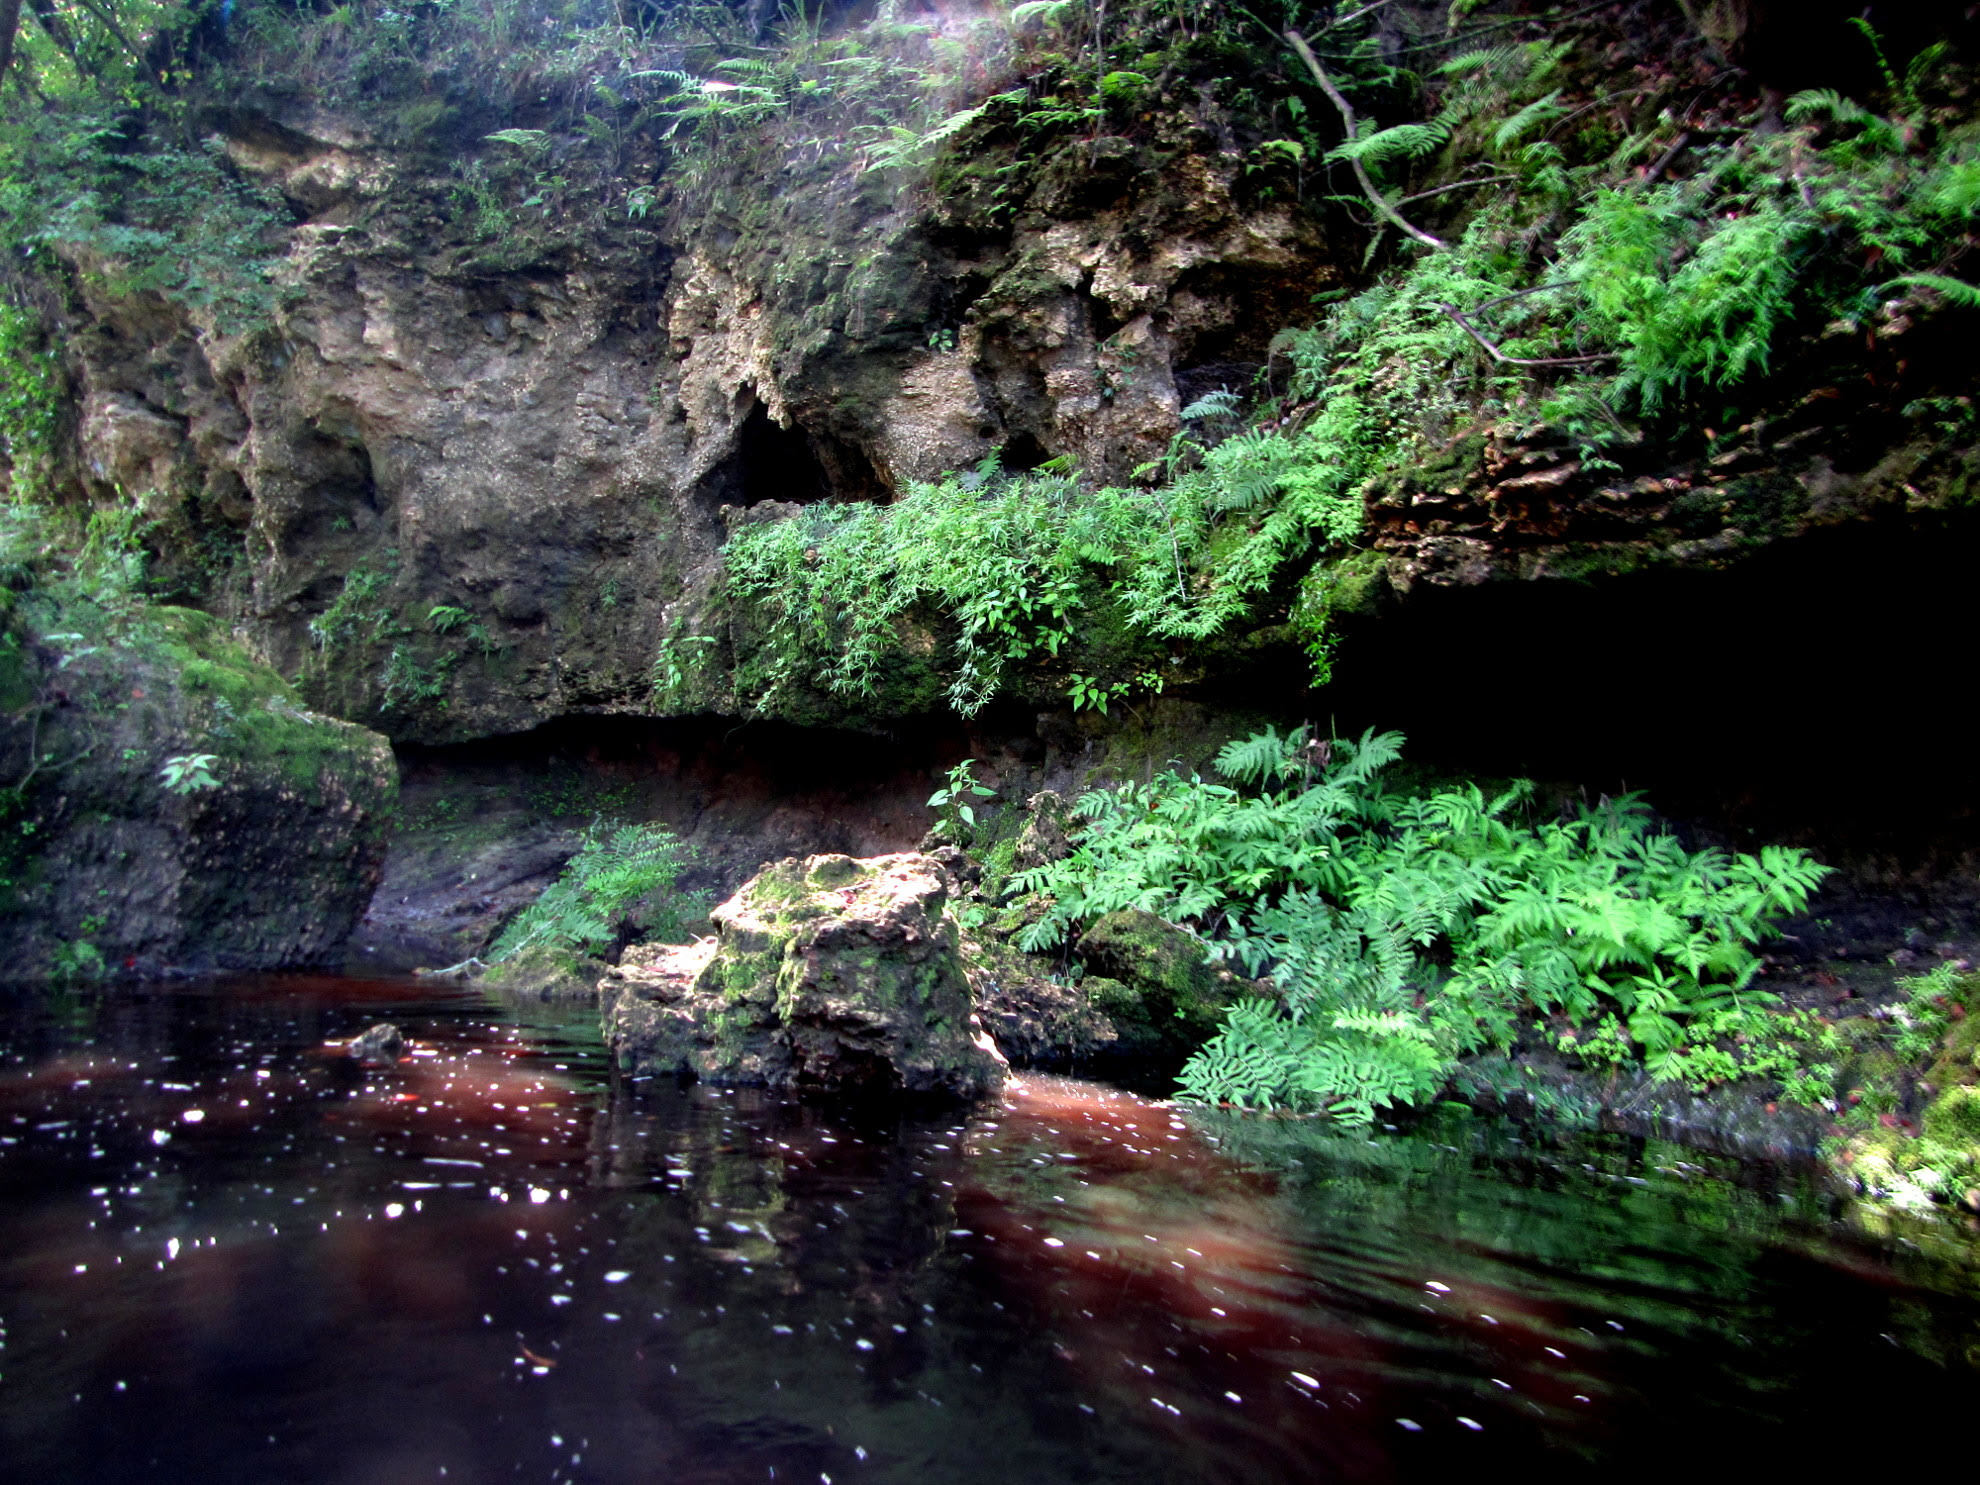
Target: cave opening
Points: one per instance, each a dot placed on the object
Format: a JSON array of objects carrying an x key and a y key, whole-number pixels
[
  {"x": 778, "y": 463},
  {"x": 796, "y": 464}
]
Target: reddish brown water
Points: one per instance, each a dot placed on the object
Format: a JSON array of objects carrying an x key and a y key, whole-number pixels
[{"x": 229, "y": 1253}]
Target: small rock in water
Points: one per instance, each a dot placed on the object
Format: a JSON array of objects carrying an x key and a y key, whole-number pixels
[{"x": 382, "y": 1043}]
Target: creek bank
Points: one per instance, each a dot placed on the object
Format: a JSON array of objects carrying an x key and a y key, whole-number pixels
[
  {"x": 1895, "y": 909},
  {"x": 262, "y": 857}
]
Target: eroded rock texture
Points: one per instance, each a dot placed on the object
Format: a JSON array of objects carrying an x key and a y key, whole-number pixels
[
  {"x": 541, "y": 432},
  {"x": 828, "y": 976}
]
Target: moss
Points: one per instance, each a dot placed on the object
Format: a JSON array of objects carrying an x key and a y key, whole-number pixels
[
  {"x": 1765, "y": 506},
  {"x": 828, "y": 872},
  {"x": 546, "y": 973},
  {"x": 1954, "y": 1117},
  {"x": 247, "y": 712}
]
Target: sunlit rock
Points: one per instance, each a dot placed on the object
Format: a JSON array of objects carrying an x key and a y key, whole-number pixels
[{"x": 828, "y": 975}]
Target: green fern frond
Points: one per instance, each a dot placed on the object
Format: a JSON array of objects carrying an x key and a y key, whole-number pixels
[
  {"x": 1397, "y": 142},
  {"x": 1539, "y": 111},
  {"x": 1955, "y": 291}
]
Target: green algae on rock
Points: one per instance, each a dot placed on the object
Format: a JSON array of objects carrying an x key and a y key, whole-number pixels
[
  {"x": 262, "y": 857},
  {"x": 827, "y": 976},
  {"x": 1154, "y": 981},
  {"x": 1932, "y": 1155}
]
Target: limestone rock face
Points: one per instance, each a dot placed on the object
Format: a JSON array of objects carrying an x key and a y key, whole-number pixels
[
  {"x": 544, "y": 435},
  {"x": 827, "y": 976}
]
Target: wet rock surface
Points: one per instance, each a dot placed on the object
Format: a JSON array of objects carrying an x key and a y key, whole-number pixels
[
  {"x": 828, "y": 976},
  {"x": 1035, "y": 1020},
  {"x": 383, "y": 1043}
]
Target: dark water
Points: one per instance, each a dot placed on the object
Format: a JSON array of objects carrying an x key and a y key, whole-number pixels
[{"x": 227, "y": 1254}]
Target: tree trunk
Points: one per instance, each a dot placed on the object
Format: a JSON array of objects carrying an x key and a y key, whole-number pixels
[{"x": 10, "y": 25}]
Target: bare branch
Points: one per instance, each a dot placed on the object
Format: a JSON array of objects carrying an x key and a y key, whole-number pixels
[
  {"x": 1457, "y": 185},
  {"x": 1375, "y": 198},
  {"x": 1355, "y": 15},
  {"x": 1457, "y": 317}
]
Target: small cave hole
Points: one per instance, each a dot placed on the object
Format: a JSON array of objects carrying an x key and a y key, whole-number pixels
[
  {"x": 1021, "y": 453},
  {"x": 778, "y": 463}
]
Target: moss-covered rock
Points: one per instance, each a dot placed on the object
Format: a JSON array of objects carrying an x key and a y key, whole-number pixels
[
  {"x": 262, "y": 857},
  {"x": 543, "y": 972},
  {"x": 1155, "y": 982},
  {"x": 1036, "y": 1021},
  {"x": 1932, "y": 1154},
  {"x": 828, "y": 976},
  {"x": 1046, "y": 835}
]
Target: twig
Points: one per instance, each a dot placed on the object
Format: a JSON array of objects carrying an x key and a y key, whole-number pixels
[
  {"x": 1456, "y": 185},
  {"x": 1664, "y": 160},
  {"x": 1517, "y": 294},
  {"x": 1375, "y": 198},
  {"x": 1467, "y": 37},
  {"x": 1457, "y": 317},
  {"x": 1355, "y": 15},
  {"x": 1603, "y": 102},
  {"x": 452, "y": 969},
  {"x": 110, "y": 25}
]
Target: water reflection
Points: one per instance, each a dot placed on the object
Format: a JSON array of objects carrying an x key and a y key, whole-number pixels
[{"x": 228, "y": 1251}]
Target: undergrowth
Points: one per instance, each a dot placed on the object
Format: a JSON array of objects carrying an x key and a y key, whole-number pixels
[
  {"x": 620, "y": 882},
  {"x": 1403, "y": 930}
]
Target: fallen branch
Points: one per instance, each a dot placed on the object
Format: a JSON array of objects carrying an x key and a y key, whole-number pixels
[
  {"x": 1457, "y": 185},
  {"x": 1456, "y": 316},
  {"x": 1664, "y": 160},
  {"x": 1376, "y": 199},
  {"x": 452, "y": 969}
]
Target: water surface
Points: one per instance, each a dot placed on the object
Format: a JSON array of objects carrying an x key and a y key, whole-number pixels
[{"x": 229, "y": 1253}]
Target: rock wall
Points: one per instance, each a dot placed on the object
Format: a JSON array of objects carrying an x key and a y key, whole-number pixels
[
  {"x": 541, "y": 433},
  {"x": 476, "y": 473}
]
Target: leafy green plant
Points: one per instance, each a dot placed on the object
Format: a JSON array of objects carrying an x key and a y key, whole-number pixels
[
  {"x": 1003, "y": 561},
  {"x": 592, "y": 903},
  {"x": 30, "y": 403},
  {"x": 953, "y": 801},
  {"x": 1403, "y": 929},
  {"x": 189, "y": 773}
]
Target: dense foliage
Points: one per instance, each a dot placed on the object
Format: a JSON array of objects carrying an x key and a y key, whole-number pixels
[
  {"x": 1402, "y": 929},
  {"x": 1584, "y": 300},
  {"x": 621, "y": 880}
]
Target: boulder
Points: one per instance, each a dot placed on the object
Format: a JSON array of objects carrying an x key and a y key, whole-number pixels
[
  {"x": 827, "y": 976},
  {"x": 174, "y": 808},
  {"x": 381, "y": 1044},
  {"x": 1155, "y": 983},
  {"x": 544, "y": 972},
  {"x": 1045, "y": 836},
  {"x": 1036, "y": 1021}
]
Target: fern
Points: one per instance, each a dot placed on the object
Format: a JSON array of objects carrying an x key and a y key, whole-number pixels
[
  {"x": 588, "y": 906},
  {"x": 1398, "y": 142},
  {"x": 1955, "y": 291},
  {"x": 1402, "y": 929},
  {"x": 1532, "y": 116}
]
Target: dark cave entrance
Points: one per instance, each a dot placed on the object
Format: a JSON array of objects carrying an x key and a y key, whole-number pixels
[
  {"x": 777, "y": 463},
  {"x": 795, "y": 464}
]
